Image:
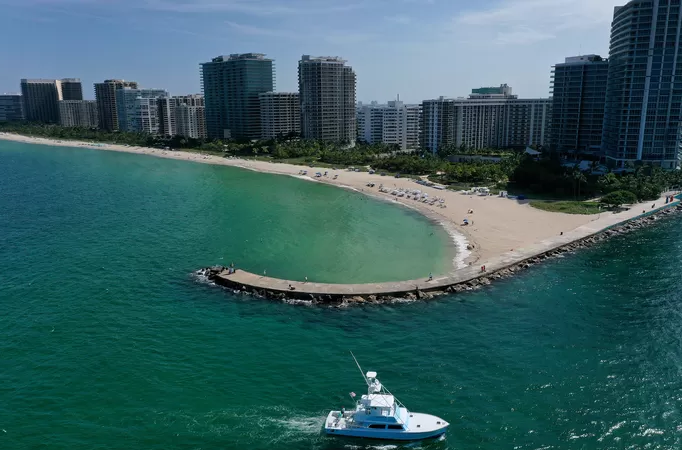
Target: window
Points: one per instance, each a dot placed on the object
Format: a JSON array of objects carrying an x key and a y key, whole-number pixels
[
  {"x": 378, "y": 426},
  {"x": 395, "y": 427}
]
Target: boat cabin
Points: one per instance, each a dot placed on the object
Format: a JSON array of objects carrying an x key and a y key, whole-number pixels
[{"x": 378, "y": 409}]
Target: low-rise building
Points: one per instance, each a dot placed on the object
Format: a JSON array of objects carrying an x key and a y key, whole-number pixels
[
  {"x": 11, "y": 108},
  {"x": 394, "y": 123},
  {"x": 78, "y": 113}
]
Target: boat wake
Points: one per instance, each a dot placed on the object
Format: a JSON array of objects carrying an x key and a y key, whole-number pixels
[{"x": 256, "y": 427}]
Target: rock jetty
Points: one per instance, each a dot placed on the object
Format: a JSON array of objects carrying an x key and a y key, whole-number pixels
[{"x": 462, "y": 280}]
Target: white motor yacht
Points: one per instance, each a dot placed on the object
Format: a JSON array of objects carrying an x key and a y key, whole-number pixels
[{"x": 379, "y": 415}]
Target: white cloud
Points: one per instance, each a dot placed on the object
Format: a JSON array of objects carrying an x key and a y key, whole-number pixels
[
  {"x": 399, "y": 19},
  {"x": 253, "y": 7},
  {"x": 258, "y": 31},
  {"x": 349, "y": 37},
  {"x": 529, "y": 21},
  {"x": 522, "y": 36}
]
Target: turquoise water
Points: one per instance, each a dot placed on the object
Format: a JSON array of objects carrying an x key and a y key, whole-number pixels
[{"x": 107, "y": 341}]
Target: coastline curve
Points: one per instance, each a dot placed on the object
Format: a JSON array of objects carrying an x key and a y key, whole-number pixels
[{"x": 465, "y": 279}]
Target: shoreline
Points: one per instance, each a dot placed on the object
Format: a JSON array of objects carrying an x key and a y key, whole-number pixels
[
  {"x": 499, "y": 228},
  {"x": 457, "y": 242},
  {"x": 344, "y": 295}
]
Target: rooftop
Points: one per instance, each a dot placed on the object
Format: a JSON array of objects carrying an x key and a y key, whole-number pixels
[
  {"x": 241, "y": 57},
  {"x": 380, "y": 400},
  {"x": 37, "y": 80},
  {"x": 331, "y": 59},
  {"x": 583, "y": 59}
]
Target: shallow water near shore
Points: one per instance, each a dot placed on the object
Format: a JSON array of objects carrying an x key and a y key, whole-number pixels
[{"x": 108, "y": 342}]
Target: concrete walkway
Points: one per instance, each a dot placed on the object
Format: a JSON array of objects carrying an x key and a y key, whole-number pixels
[{"x": 603, "y": 222}]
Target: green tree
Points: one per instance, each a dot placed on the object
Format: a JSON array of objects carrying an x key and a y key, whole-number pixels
[{"x": 618, "y": 198}]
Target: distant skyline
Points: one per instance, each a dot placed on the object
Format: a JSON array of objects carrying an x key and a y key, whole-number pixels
[{"x": 419, "y": 49}]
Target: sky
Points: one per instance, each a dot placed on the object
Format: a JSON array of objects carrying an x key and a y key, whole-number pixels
[{"x": 418, "y": 49}]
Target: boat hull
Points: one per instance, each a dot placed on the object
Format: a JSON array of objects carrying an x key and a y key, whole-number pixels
[
  {"x": 386, "y": 435},
  {"x": 420, "y": 426}
]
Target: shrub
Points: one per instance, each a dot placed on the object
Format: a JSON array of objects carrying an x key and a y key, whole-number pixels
[{"x": 617, "y": 198}]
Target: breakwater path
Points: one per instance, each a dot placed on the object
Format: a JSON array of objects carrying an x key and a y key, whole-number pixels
[{"x": 606, "y": 225}]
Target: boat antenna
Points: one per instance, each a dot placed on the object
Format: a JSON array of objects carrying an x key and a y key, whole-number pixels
[{"x": 359, "y": 368}]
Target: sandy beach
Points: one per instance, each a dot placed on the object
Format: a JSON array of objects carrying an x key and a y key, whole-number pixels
[{"x": 496, "y": 226}]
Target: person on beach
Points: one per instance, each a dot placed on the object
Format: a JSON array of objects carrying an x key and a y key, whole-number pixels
[
  {"x": 430, "y": 276},
  {"x": 306, "y": 279}
]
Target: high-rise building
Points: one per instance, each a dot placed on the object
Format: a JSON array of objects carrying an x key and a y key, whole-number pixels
[
  {"x": 437, "y": 124},
  {"x": 190, "y": 121},
  {"x": 72, "y": 89},
  {"x": 643, "y": 110},
  {"x": 231, "y": 86},
  {"x": 167, "y": 106},
  {"x": 327, "y": 92},
  {"x": 489, "y": 118},
  {"x": 394, "y": 123},
  {"x": 41, "y": 100},
  {"x": 280, "y": 114},
  {"x": 183, "y": 116},
  {"x": 138, "y": 109},
  {"x": 11, "y": 108},
  {"x": 578, "y": 97},
  {"x": 78, "y": 113},
  {"x": 105, "y": 94}
]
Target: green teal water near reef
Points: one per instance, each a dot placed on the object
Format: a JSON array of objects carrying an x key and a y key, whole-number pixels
[{"x": 109, "y": 342}]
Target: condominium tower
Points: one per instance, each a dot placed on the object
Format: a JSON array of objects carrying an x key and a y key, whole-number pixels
[
  {"x": 644, "y": 90},
  {"x": 280, "y": 114},
  {"x": 41, "y": 100},
  {"x": 578, "y": 97},
  {"x": 138, "y": 109},
  {"x": 105, "y": 94},
  {"x": 11, "y": 108},
  {"x": 489, "y": 118},
  {"x": 438, "y": 124},
  {"x": 78, "y": 113},
  {"x": 190, "y": 120},
  {"x": 72, "y": 89},
  {"x": 231, "y": 85},
  {"x": 394, "y": 123},
  {"x": 327, "y": 92},
  {"x": 182, "y": 116}
]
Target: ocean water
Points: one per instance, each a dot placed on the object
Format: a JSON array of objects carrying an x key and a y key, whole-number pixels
[{"x": 108, "y": 342}]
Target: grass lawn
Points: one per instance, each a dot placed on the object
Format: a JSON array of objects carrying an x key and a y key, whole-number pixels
[{"x": 568, "y": 207}]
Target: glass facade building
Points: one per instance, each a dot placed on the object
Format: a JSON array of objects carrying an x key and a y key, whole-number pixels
[
  {"x": 644, "y": 91},
  {"x": 231, "y": 86},
  {"x": 578, "y": 97},
  {"x": 11, "y": 108}
]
